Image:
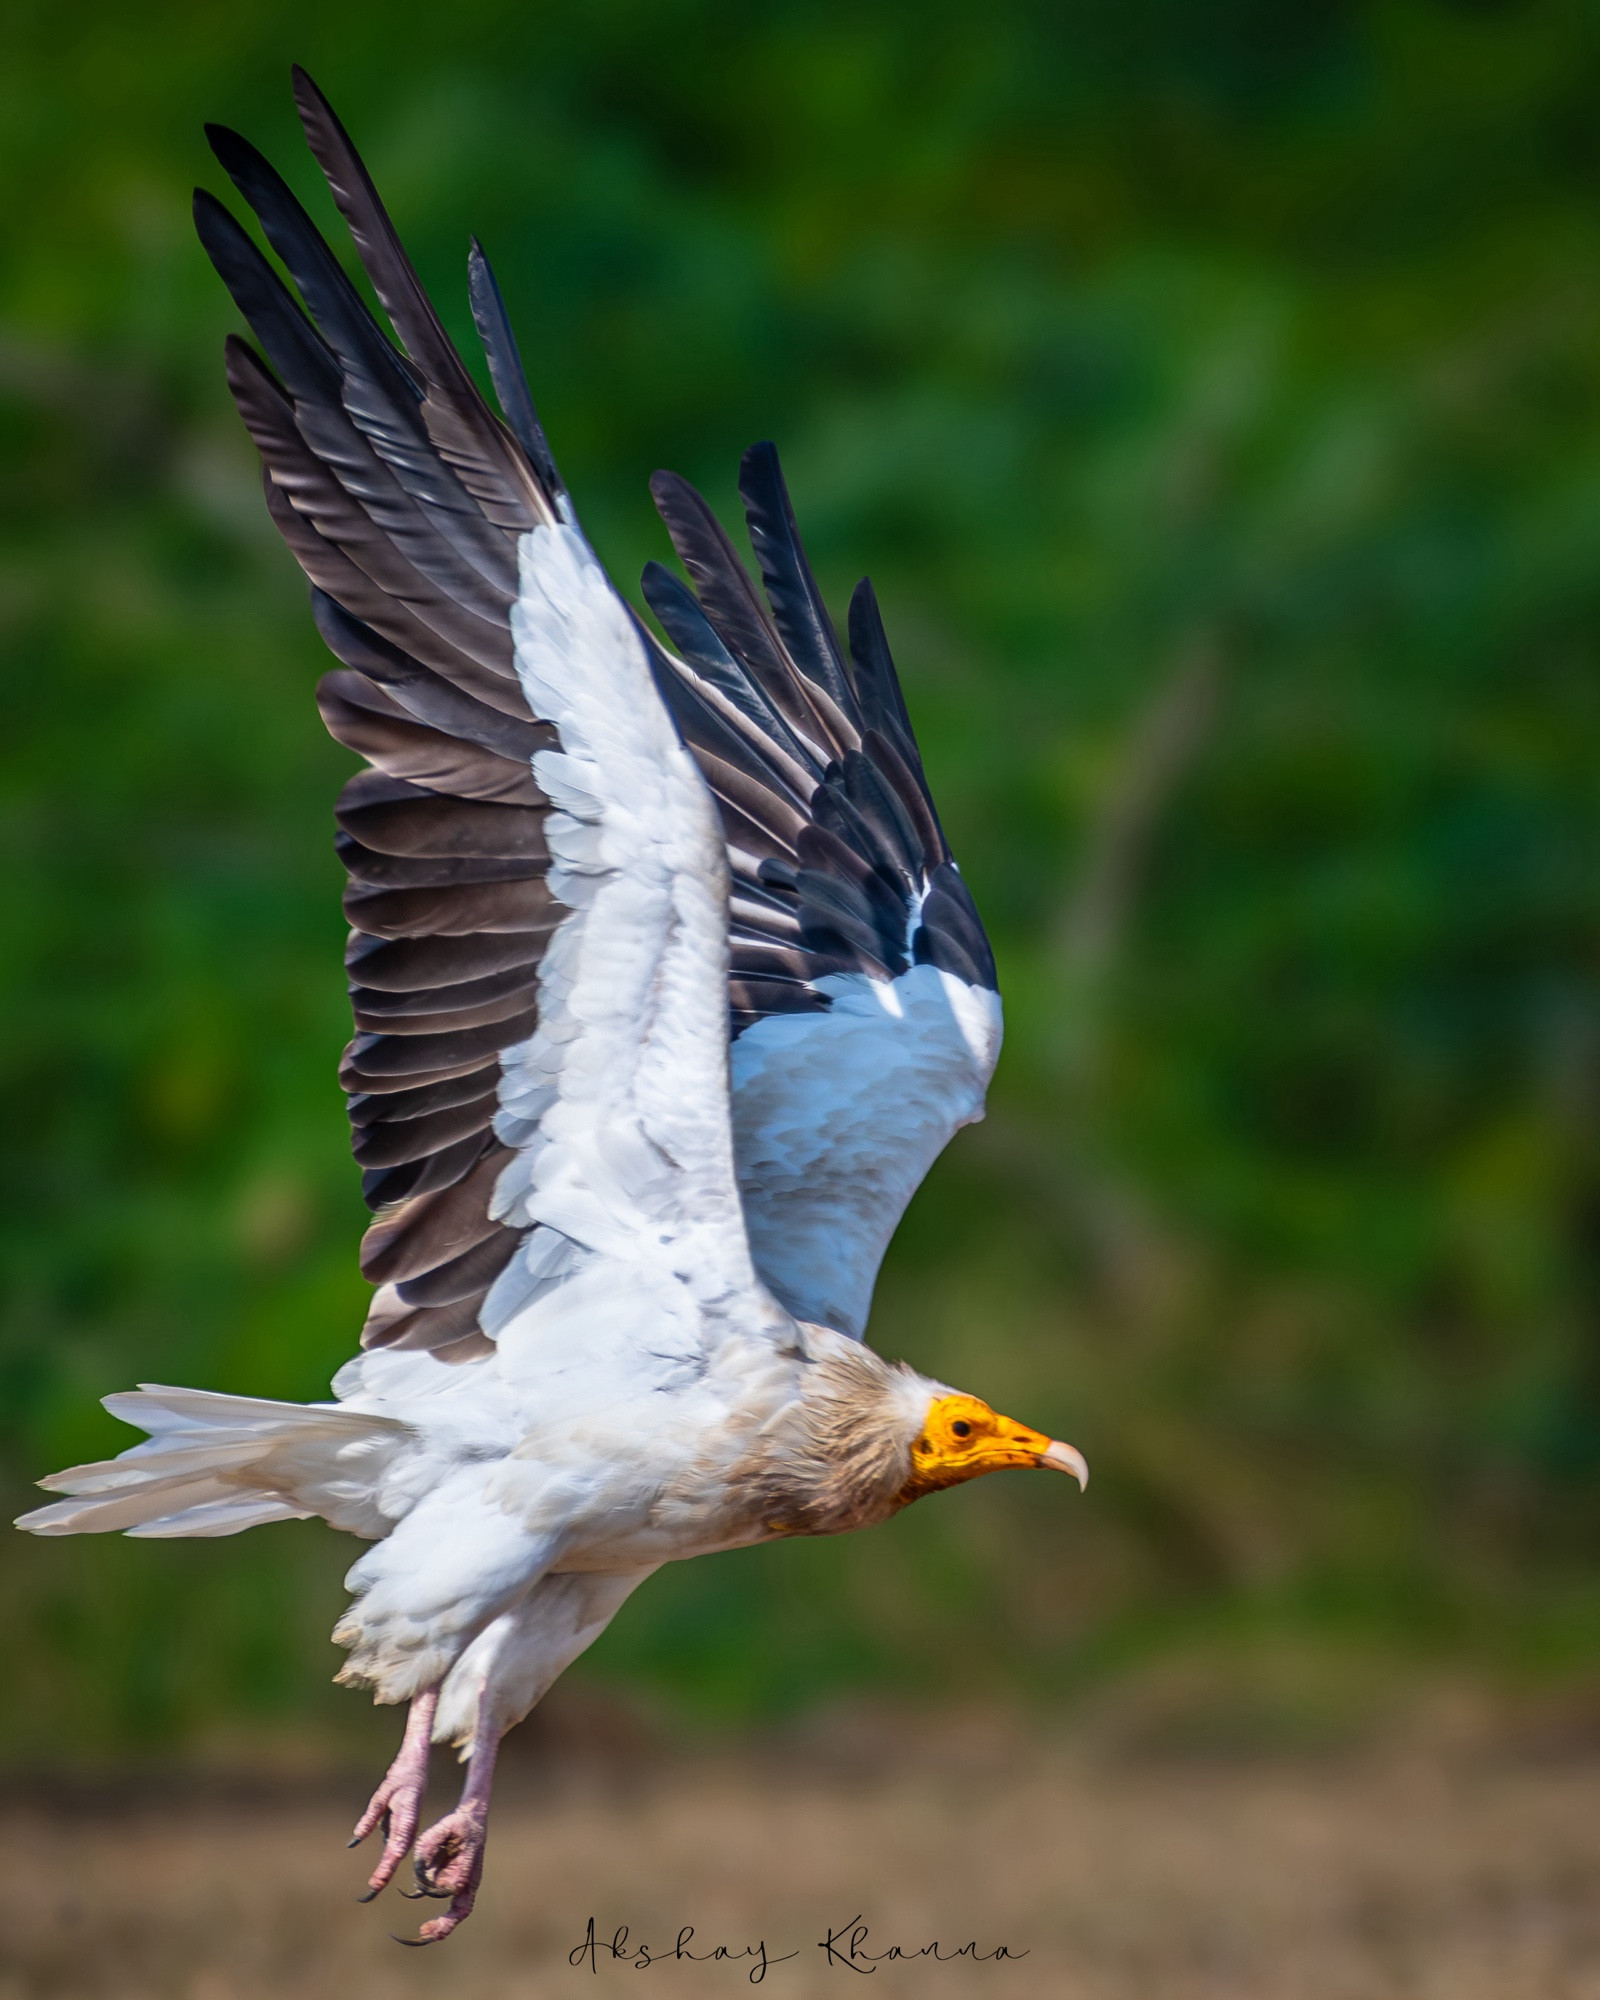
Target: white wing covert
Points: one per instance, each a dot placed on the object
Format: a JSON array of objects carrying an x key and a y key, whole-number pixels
[{"x": 617, "y": 1105}]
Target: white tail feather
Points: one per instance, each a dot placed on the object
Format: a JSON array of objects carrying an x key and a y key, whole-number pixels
[{"x": 214, "y": 1464}]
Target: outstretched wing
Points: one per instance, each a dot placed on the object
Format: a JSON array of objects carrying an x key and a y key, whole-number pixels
[
  {"x": 861, "y": 986},
  {"x": 866, "y": 1018},
  {"x": 537, "y": 896}
]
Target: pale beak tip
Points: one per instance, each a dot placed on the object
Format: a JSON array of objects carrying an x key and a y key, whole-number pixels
[{"x": 1065, "y": 1459}]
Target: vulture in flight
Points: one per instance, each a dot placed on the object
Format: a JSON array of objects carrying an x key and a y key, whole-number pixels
[{"x": 667, "y": 994}]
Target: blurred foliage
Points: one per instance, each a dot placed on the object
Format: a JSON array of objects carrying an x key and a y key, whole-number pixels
[{"x": 1213, "y": 390}]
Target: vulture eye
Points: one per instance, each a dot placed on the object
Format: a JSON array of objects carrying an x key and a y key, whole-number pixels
[{"x": 961, "y": 1428}]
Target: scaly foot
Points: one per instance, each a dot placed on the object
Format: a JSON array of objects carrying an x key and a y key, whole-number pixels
[
  {"x": 450, "y": 1863},
  {"x": 398, "y": 1800}
]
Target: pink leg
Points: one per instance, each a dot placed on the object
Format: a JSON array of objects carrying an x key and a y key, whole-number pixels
[
  {"x": 449, "y": 1859},
  {"x": 398, "y": 1800}
]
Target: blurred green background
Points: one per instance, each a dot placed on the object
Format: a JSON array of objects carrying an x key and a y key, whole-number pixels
[{"x": 1212, "y": 388}]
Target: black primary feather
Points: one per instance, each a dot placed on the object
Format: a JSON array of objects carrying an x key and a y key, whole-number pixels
[
  {"x": 505, "y": 366},
  {"x": 839, "y": 861}
]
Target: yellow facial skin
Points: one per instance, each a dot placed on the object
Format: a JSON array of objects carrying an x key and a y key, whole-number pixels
[{"x": 962, "y": 1438}]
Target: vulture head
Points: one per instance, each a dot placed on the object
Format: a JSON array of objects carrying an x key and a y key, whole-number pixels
[
  {"x": 961, "y": 1438},
  {"x": 868, "y": 1436}
]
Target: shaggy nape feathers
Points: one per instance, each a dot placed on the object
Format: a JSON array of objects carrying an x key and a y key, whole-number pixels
[{"x": 841, "y": 1455}]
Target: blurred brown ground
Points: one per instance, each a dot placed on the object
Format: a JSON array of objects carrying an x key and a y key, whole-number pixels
[{"x": 1459, "y": 1863}]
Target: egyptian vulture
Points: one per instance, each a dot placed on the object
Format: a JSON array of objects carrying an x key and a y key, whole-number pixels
[{"x": 667, "y": 994}]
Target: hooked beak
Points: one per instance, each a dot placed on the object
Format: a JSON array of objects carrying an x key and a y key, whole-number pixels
[
  {"x": 1065, "y": 1458},
  {"x": 963, "y": 1438}
]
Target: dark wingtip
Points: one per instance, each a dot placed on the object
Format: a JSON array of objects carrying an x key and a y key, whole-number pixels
[
  {"x": 797, "y": 605},
  {"x": 233, "y": 151},
  {"x": 306, "y": 90},
  {"x": 664, "y": 485},
  {"x": 883, "y": 700},
  {"x": 682, "y": 506},
  {"x": 237, "y": 351},
  {"x": 762, "y": 484},
  {"x": 866, "y": 620},
  {"x": 256, "y": 178},
  {"x": 505, "y": 366},
  {"x": 217, "y": 228},
  {"x": 654, "y": 576},
  {"x": 315, "y": 110}
]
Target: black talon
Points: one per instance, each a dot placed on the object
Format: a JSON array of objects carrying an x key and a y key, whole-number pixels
[
  {"x": 368, "y": 1895},
  {"x": 425, "y": 1885}
]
